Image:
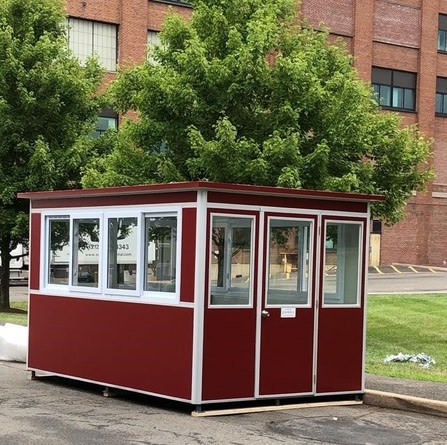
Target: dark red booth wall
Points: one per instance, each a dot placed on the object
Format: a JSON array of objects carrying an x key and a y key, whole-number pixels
[{"x": 137, "y": 346}]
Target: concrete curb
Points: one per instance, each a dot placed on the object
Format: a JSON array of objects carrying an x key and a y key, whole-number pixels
[{"x": 404, "y": 402}]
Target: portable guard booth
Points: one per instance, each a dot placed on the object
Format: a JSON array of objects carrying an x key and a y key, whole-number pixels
[{"x": 200, "y": 292}]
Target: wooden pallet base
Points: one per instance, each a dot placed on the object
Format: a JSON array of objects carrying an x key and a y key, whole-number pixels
[{"x": 260, "y": 409}]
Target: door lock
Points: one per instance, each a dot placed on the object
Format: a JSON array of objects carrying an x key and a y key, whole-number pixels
[{"x": 265, "y": 314}]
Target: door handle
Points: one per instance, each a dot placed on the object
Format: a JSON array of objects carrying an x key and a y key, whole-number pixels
[{"x": 265, "y": 314}]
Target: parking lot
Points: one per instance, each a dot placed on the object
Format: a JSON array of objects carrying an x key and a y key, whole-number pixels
[{"x": 55, "y": 411}]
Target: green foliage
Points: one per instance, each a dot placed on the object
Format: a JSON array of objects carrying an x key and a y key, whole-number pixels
[
  {"x": 46, "y": 103},
  {"x": 244, "y": 92}
]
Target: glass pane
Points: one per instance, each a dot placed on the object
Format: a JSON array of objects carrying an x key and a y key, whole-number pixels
[
  {"x": 105, "y": 44},
  {"x": 342, "y": 263},
  {"x": 385, "y": 95},
  {"x": 85, "y": 252},
  {"x": 161, "y": 253},
  {"x": 289, "y": 259},
  {"x": 442, "y": 40},
  {"x": 409, "y": 99},
  {"x": 122, "y": 253},
  {"x": 439, "y": 103},
  {"x": 59, "y": 250},
  {"x": 80, "y": 38},
  {"x": 231, "y": 260},
  {"x": 398, "y": 97},
  {"x": 404, "y": 79},
  {"x": 381, "y": 76}
]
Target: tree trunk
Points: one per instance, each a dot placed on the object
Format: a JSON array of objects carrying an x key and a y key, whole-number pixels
[{"x": 4, "y": 273}]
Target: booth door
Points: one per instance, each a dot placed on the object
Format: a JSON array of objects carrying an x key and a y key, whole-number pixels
[
  {"x": 229, "y": 336},
  {"x": 287, "y": 309},
  {"x": 340, "y": 348}
]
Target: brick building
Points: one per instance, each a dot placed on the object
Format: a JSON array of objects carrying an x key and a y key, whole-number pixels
[{"x": 398, "y": 45}]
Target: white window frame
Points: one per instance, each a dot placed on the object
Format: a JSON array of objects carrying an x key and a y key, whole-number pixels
[
  {"x": 45, "y": 237},
  {"x": 252, "y": 219},
  {"x": 105, "y": 264},
  {"x": 89, "y": 38},
  {"x": 102, "y": 290},
  {"x": 88, "y": 289},
  {"x": 165, "y": 297},
  {"x": 340, "y": 283},
  {"x": 311, "y": 253}
]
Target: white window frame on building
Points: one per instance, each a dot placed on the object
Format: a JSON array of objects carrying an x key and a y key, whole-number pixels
[{"x": 87, "y": 38}]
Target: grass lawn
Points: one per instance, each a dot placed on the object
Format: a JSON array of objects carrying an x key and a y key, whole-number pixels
[
  {"x": 20, "y": 315},
  {"x": 410, "y": 324}
]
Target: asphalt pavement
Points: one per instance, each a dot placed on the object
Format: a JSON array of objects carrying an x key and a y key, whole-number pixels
[{"x": 57, "y": 411}]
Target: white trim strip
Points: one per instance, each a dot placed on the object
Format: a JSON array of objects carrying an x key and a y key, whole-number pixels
[{"x": 199, "y": 297}]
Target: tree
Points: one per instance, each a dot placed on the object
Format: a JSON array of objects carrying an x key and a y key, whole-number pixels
[
  {"x": 245, "y": 92},
  {"x": 46, "y": 104}
]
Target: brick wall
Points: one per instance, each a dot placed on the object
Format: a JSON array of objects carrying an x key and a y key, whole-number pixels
[
  {"x": 338, "y": 15},
  {"x": 437, "y": 237},
  {"x": 100, "y": 10},
  {"x": 440, "y": 154},
  {"x": 397, "y": 23}
]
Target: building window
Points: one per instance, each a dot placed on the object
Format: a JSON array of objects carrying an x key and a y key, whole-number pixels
[
  {"x": 87, "y": 38},
  {"x": 441, "y": 96},
  {"x": 394, "y": 89},
  {"x": 442, "y": 32},
  {"x": 107, "y": 119},
  {"x": 153, "y": 40},
  {"x": 176, "y": 2}
]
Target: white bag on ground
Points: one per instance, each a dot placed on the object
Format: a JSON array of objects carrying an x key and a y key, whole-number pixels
[{"x": 13, "y": 342}]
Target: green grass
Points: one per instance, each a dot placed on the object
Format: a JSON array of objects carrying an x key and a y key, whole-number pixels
[
  {"x": 16, "y": 317},
  {"x": 409, "y": 324}
]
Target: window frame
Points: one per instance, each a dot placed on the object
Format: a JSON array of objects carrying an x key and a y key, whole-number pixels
[
  {"x": 105, "y": 265},
  {"x": 175, "y": 2},
  {"x": 165, "y": 297},
  {"x": 46, "y": 237},
  {"x": 107, "y": 63},
  {"x": 75, "y": 287},
  {"x": 441, "y": 91},
  {"x": 360, "y": 261},
  {"x": 249, "y": 304},
  {"x": 103, "y": 291},
  {"x": 310, "y": 261},
  {"x": 442, "y": 33},
  {"x": 395, "y": 86}
]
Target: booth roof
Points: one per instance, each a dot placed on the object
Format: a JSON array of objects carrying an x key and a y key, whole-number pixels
[{"x": 199, "y": 185}]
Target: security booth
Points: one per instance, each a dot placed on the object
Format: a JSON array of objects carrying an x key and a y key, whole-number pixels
[{"x": 200, "y": 292}]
